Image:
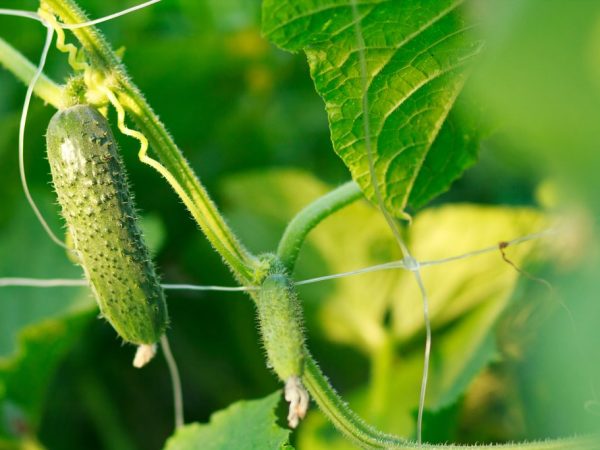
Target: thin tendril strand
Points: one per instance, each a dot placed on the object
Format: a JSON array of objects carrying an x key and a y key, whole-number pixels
[
  {"x": 22, "y": 123},
  {"x": 76, "y": 282},
  {"x": 386, "y": 266},
  {"x": 175, "y": 381},
  {"x": 42, "y": 283},
  {"x": 410, "y": 261},
  {"x": 20, "y": 13},
  {"x": 70, "y": 49},
  {"x": 35, "y": 16},
  {"x": 491, "y": 248},
  {"x": 399, "y": 264},
  {"x": 195, "y": 287},
  {"x": 143, "y": 152},
  {"x": 109, "y": 17}
]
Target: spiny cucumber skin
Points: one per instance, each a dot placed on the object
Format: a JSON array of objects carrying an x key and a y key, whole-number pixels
[
  {"x": 280, "y": 321},
  {"x": 93, "y": 191}
]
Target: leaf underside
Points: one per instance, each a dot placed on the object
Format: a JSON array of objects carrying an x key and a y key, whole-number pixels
[{"x": 416, "y": 58}]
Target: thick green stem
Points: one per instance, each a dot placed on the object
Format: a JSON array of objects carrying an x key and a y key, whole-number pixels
[
  {"x": 310, "y": 217},
  {"x": 22, "y": 68},
  {"x": 342, "y": 417},
  {"x": 197, "y": 200}
]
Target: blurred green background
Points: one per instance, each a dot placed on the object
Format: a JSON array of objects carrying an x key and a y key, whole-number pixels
[{"x": 241, "y": 111}]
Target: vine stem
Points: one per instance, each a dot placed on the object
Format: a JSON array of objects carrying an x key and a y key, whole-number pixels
[
  {"x": 107, "y": 66},
  {"x": 343, "y": 418},
  {"x": 24, "y": 70},
  {"x": 309, "y": 217}
]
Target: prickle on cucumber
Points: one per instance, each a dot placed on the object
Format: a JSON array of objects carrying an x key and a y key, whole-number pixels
[{"x": 93, "y": 191}]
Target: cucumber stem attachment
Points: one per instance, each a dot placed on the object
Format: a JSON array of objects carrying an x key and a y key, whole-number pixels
[{"x": 104, "y": 61}]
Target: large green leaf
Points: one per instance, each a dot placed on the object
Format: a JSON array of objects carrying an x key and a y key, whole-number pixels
[
  {"x": 458, "y": 286},
  {"x": 245, "y": 425},
  {"x": 416, "y": 56}
]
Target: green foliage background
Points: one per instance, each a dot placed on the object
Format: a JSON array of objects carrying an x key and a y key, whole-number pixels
[{"x": 243, "y": 111}]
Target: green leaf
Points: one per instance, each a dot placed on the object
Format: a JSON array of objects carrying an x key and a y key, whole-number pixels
[
  {"x": 24, "y": 377},
  {"x": 416, "y": 56},
  {"x": 245, "y": 425}
]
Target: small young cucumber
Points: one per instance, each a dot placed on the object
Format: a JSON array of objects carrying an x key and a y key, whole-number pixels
[
  {"x": 280, "y": 320},
  {"x": 92, "y": 188}
]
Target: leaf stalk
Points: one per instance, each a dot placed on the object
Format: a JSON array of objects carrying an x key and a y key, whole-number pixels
[{"x": 309, "y": 217}]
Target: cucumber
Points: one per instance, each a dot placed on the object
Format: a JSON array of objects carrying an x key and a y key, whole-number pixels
[
  {"x": 97, "y": 205},
  {"x": 280, "y": 322}
]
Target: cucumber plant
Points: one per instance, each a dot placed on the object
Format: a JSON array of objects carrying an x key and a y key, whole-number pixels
[
  {"x": 96, "y": 201},
  {"x": 391, "y": 75}
]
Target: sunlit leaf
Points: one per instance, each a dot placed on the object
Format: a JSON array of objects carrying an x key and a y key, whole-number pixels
[{"x": 416, "y": 62}]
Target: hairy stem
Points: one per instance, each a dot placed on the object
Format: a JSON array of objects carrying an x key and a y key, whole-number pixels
[
  {"x": 24, "y": 70},
  {"x": 310, "y": 217},
  {"x": 196, "y": 198},
  {"x": 342, "y": 417}
]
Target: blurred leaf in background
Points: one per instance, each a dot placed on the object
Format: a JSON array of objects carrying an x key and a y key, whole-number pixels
[
  {"x": 39, "y": 326},
  {"x": 540, "y": 80},
  {"x": 380, "y": 314}
]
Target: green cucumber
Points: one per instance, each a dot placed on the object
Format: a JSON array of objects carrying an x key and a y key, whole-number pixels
[
  {"x": 93, "y": 191},
  {"x": 280, "y": 322}
]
